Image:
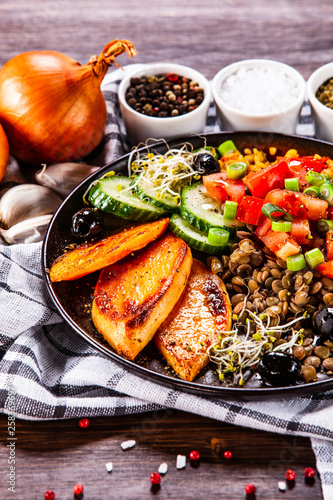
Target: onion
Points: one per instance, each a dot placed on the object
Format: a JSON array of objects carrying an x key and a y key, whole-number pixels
[
  {"x": 4, "y": 152},
  {"x": 52, "y": 107}
]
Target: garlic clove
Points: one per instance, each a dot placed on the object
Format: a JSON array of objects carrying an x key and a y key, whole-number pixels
[
  {"x": 64, "y": 177},
  {"x": 27, "y": 231},
  {"x": 26, "y": 201}
]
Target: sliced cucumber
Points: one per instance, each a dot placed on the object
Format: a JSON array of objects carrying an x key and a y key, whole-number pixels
[
  {"x": 108, "y": 195},
  {"x": 201, "y": 211},
  {"x": 146, "y": 191},
  {"x": 195, "y": 239}
]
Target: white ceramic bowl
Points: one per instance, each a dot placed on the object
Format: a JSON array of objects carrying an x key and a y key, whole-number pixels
[
  {"x": 284, "y": 120},
  {"x": 141, "y": 127},
  {"x": 322, "y": 115}
]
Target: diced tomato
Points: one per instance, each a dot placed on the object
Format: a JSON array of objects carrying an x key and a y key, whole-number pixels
[
  {"x": 329, "y": 245},
  {"x": 264, "y": 180},
  {"x": 326, "y": 269},
  {"x": 300, "y": 230},
  {"x": 281, "y": 243},
  {"x": 249, "y": 210},
  {"x": 298, "y": 204},
  {"x": 311, "y": 163},
  {"x": 330, "y": 213},
  {"x": 264, "y": 225},
  {"x": 221, "y": 188},
  {"x": 301, "y": 165}
]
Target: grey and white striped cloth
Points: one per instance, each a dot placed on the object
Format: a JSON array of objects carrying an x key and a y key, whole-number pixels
[{"x": 48, "y": 372}]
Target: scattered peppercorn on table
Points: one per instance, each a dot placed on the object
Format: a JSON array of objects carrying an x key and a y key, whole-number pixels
[{"x": 124, "y": 456}]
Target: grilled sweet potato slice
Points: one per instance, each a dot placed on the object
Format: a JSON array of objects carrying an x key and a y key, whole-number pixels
[
  {"x": 203, "y": 310},
  {"x": 134, "y": 296},
  {"x": 90, "y": 257}
]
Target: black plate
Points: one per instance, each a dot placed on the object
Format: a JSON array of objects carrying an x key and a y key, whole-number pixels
[{"x": 72, "y": 299}]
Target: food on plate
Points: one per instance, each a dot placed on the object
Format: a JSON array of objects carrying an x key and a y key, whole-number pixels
[
  {"x": 61, "y": 96},
  {"x": 194, "y": 323},
  {"x": 263, "y": 224},
  {"x": 87, "y": 224},
  {"x": 135, "y": 295},
  {"x": 4, "y": 152},
  {"x": 164, "y": 95},
  {"x": 90, "y": 257}
]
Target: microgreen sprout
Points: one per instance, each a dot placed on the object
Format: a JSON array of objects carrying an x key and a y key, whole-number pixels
[
  {"x": 166, "y": 173},
  {"x": 238, "y": 351}
]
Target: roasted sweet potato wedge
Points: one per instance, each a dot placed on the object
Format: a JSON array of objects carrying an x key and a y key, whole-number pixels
[
  {"x": 134, "y": 296},
  {"x": 203, "y": 310},
  {"x": 90, "y": 257}
]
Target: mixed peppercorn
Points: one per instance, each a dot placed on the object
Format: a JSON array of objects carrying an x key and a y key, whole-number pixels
[{"x": 164, "y": 95}]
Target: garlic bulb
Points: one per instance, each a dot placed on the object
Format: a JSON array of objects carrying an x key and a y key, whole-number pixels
[
  {"x": 27, "y": 231},
  {"x": 27, "y": 201},
  {"x": 64, "y": 177}
]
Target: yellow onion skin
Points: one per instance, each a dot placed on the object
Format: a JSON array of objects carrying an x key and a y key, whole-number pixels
[
  {"x": 4, "y": 152},
  {"x": 51, "y": 106}
]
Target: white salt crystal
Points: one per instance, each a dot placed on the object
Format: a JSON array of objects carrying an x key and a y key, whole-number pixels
[
  {"x": 282, "y": 486},
  {"x": 259, "y": 91},
  {"x": 125, "y": 445},
  {"x": 163, "y": 468},
  {"x": 181, "y": 461},
  {"x": 109, "y": 466}
]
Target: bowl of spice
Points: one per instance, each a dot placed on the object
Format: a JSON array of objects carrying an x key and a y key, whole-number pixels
[
  {"x": 259, "y": 94},
  {"x": 163, "y": 101},
  {"x": 320, "y": 95}
]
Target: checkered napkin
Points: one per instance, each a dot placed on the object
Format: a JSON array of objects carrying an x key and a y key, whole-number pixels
[{"x": 47, "y": 371}]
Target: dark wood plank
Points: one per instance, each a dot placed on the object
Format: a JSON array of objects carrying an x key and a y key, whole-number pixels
[
  {"x": 204, "y": 35},
  {"x": 58, "y": 455}
]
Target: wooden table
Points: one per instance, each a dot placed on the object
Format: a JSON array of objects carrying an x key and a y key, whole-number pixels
[{"x": 204, "y": 35}]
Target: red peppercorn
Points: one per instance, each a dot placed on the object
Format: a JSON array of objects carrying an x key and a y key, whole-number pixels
[
  {"x": 194, "y": 455},
  {"x": 172, "y": 77},
  {"x": 49, "y": 495},
  {"x": 155, "y": 478},
  {"x": 83, "y": 423},
  {"x": 309, "y": 472},
  {"x": 290, "y": 475},
  {"x": 227, "y": 455},
  {"x": 250, "y": 489},
  {"x": 78, "y": 489}
]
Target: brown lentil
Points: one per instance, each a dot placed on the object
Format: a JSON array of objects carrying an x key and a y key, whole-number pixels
[
  {"x": 308, "y": 373},
  {"x": 322, "y": 351},
  {"x": 299, "y": 352},
  {"x": 312, "y": 361},
  {"x": 328, "y": 364}
]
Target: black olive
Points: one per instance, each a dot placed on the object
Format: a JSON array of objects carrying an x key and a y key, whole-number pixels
[
  {"x": 279, "y": 368},
  {"x": 206, "y": 164},
  {"x": 87, "y": 224},
  {"x": 323, "y": 323}
]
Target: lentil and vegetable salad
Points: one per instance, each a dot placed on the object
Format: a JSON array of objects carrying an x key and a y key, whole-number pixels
[{"x": 264, "y": 224}]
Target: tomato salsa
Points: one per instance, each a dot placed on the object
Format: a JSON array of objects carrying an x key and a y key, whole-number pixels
[{"x": 289, "y": 201}]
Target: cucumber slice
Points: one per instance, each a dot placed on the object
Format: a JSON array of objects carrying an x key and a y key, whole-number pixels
[
  {"x": 195, "y": 239},
  {"x": 108, "y": 195},
  {"x": 145, "y": 190},
  {"x": 201, "y": 211}
]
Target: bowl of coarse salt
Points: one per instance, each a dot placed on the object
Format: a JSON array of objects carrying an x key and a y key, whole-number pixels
[{"x": 259, "y": 94}]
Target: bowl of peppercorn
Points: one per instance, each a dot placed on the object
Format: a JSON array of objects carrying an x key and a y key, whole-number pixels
[
  {"x": 320, "y": 95},
  {"x": 163, "y": 101}
]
